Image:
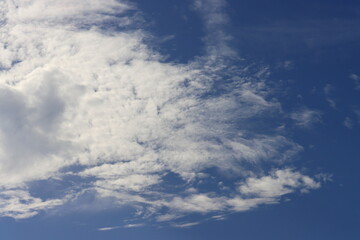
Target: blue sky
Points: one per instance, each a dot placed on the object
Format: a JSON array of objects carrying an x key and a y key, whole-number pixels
[{"x": 165, "y": 119}]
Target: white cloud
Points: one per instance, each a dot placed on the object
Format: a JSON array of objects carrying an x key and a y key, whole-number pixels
[
  {"x": 356, "y": 79},
  {"x": 215, "y": 18},
  {"x": 250, "y": 193},
  {"x": 348, "y": 122},
  {"x": 184, "y": 225},
  {"x": 19, "y": 204},
  {"x": 328, "y": 89},
  {"x": 197, "y": 203},
  {"x": 279, "y": 183},
  {"x": 357, "y": 113},
  {"x": 287, "y": 65},
  {"x": 134, "y": 225},
  {"x": 132, "y": 182},
  {"x": 107, "y": 228},
  {"x": 117, "y": 227},
  {"x": 67, "y": 11},
  {"x": 73, "y": 93},
  {"x": 167, "y": 217},
  {"x": 306, "y": 117}
]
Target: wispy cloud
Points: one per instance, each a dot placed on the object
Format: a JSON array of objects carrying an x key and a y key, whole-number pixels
[
  {"x": 348, "y": 122},
  {"x": 306, "y": 117},
  {"x": 81, "y": 100},
  {"x": 185, "y": 225},
  {"x": 117, "y": 227},
  {"x": 356, "y": 79},
  {"x": 215, "y": 19},
  {"x": 328, "y": 89},
  {"x": 108, "y": 228},
  {"x": 19, "y": 204}
]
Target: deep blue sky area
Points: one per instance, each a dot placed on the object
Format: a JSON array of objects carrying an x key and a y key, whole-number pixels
[
  {"x": 321, "y": 40},
  {"x": 311, "y": 49},
  {"x": 177, "y": 27}
]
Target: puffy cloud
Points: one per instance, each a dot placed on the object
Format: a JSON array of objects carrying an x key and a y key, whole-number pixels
[
  {"x": 78, "y": 99},
  {"x": 281, "y": 182}
]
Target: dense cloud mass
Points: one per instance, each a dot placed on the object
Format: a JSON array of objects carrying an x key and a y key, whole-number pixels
[{"x": 83, "y": 97}]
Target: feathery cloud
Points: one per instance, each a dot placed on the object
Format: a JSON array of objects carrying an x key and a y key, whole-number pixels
[{"x": 83, "y": 100}]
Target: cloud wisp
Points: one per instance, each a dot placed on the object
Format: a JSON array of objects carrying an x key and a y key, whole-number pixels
[
  {"x": 356, "y": 79},
  {"x": 82, "y": 97},
  {"x": 306, "y": 117}
]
